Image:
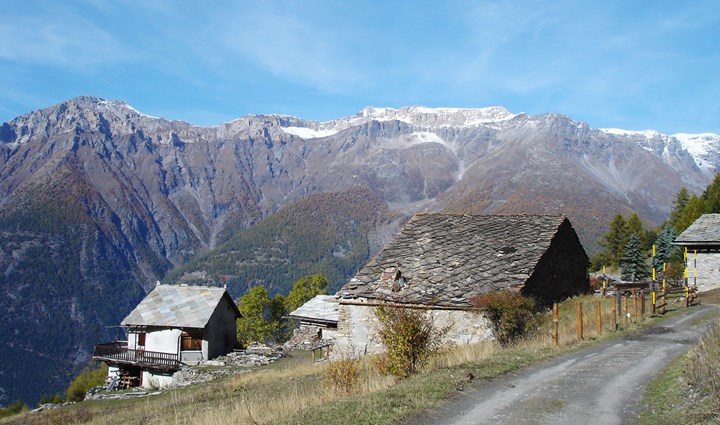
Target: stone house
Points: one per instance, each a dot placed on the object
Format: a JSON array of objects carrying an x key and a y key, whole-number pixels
[
  {"x": 173, "y": 325},
  {"x": 318, "y": 322},
  {"x": 440, "y": 262},
  {"x": 702, "y": 241}
]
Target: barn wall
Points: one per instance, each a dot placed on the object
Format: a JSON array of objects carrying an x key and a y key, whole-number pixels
[
  {"x": 562, "y": 271},
  {"x": 358, "y": 327},
  {"x": 220, "y": 333}
]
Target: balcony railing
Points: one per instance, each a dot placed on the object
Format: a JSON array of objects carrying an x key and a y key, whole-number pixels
[{"x": 116, "y": 352}]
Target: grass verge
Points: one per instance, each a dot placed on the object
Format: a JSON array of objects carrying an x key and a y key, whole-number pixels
[
  {"x": 688, "y": 389},
  {"x": 293, "y": 391}
]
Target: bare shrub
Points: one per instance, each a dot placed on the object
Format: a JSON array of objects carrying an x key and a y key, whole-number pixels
[
  {"x": 409, "y": 337},
  {"x": 342, "y": 375},
  {"x": 511, "y": 314}
]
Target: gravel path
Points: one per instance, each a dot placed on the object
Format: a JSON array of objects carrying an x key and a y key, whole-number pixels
[{"x": 603, "y": 384}]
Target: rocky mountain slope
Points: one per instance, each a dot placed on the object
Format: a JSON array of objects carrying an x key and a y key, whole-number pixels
[{"x": 98, "y": 200}]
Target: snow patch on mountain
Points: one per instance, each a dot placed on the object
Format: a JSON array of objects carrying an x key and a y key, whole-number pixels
[
  {"x": 648, "y": 134},
  {"x": 416, "y": 116},
  {"x": 117, "y": 106},
  {"x": 704, "y": 148},
  {"x": 422, "y": 116},
  {"x": 309, "y": 133},
  {"x": 699, "y": 145},
  {"x": 416, "y": 138}
]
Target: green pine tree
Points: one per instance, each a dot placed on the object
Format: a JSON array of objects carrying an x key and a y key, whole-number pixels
[
  {"x": 633, "y": 260},
  {"x": 614, "y": 240},
  {"x": 695, "y": 207},
  {"x": 712, "y": 196},
  {"x": 665, "y": 251},
  {"x": 681, "y": 200}
]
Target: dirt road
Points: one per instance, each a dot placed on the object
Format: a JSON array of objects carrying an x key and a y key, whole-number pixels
[{"x": 603, "y": 384}]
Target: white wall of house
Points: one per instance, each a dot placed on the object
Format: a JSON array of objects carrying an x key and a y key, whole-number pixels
[
  {"x": 358, "y": 329},
  {"x": 163, "y": 340},
  {"x": 708, "y": 270},
  {"x": 154, "y": 379}
]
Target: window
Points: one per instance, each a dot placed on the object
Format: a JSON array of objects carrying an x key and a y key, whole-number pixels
[
  {"x": 191, "y": 341},
  {"x": 141, "y": 339}
]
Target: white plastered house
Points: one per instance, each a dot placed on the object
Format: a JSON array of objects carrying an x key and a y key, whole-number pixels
[{"x": 173, "y": 326}]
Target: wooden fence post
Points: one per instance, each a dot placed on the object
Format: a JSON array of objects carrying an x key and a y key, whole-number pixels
[
  {"x": 555, "y": 325},
  {"x": 664, "y": 299},
  {"x": 614, "y": 315},
  {"x": 579, "y": 321},
  {"x": 626, "y": 313},
  {"x": 598, "y": 316},
  {"x": 642, "y": 305},
  {"x": 652, "y": 309},
  {"x": 635, "y": 305}
]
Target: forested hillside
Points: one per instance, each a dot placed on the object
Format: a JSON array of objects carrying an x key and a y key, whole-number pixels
[{"x": 333, "y": 234}]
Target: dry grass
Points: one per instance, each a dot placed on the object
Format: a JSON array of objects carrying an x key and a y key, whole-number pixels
[
  {"x": 294, "y": 390},
  {"x": 703, "y": 376}
]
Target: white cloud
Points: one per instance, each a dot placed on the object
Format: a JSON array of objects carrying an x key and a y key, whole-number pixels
[
  {"x": 295, "y": 47},
  {"x": 57, "y": 37}
]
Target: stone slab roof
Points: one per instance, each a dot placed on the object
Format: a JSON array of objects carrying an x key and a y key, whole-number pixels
[
  {"x": 704, "y": 231},
  {"x": 447, "y": 259},
  {"x": 322, "y": 308},
  {"x": 178, "y": 306}
]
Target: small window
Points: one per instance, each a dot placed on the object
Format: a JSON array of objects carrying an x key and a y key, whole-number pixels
[
  {"x": 191, "y": 341},
  {"x": 141, "y": 339}
]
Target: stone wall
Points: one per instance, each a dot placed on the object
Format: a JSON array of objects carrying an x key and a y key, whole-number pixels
[
  {"x": 358, "y": 327},
  {"x": 708, "y": 270}
]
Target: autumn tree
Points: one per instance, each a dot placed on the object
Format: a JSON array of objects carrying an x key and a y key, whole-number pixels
[
  {"x": 255, "y": 323},
  {"x": 304, "y": 290}
]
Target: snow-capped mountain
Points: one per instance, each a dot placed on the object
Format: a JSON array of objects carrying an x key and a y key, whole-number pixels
[{"x": 704, "y": 148}]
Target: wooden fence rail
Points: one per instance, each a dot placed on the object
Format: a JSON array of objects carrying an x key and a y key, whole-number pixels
[{"x": 620, "y": 299}]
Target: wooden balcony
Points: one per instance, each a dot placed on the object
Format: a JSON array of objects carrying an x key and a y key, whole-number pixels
[{"x": 118, "y": 353}]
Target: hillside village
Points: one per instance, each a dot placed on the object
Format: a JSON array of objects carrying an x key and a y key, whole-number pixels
[
  {"x": 438, "y": 263},
  {"x": 177, "y": 326}
]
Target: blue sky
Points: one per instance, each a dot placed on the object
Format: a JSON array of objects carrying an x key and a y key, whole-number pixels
[{"x": 628, "y": 64}]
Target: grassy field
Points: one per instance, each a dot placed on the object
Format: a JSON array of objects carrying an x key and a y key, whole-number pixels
[
  {"x": 687, "y": 391},
  {"x": 293, "y": 391}
]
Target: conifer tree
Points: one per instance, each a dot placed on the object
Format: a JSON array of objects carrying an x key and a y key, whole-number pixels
[
  {"x": 664, "y": 249},
  {"x": 681, "y": 200},
  {"x": 712, "y": 196},
  {"x": 695, "y": 207},
  {"x": 634, "y": 225},
  {"x": 614, "y": 240},
  {"x": 633, "y": 260}
]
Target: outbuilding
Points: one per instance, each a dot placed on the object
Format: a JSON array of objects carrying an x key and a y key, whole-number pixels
[
  {"x": 441, "y": 262},
  {"x": 702, "y": 242}
]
